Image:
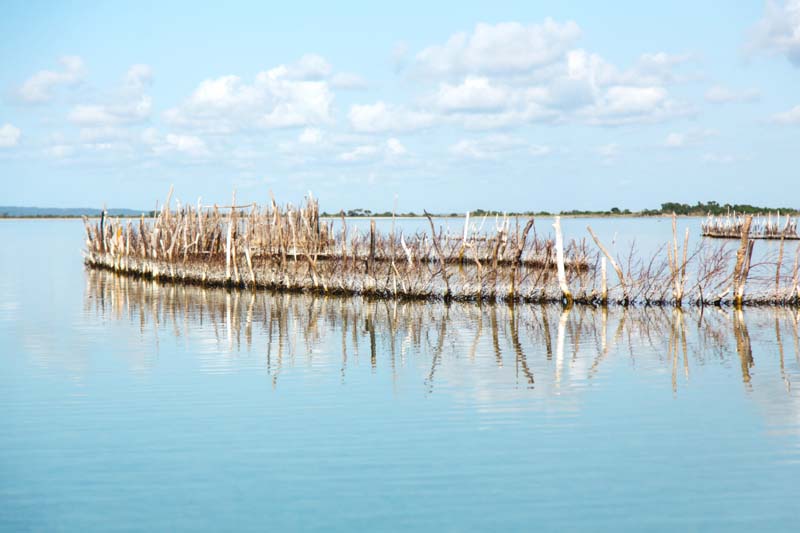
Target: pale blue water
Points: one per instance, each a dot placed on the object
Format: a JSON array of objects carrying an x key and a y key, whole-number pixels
[{"x": 132, "y": 406}]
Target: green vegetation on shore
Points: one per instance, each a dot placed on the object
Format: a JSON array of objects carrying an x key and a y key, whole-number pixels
[{"x": 667, "y": 208}]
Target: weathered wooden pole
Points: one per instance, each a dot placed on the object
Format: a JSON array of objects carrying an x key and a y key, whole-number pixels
[
  {"x": 614, "y": 264},
  {"x": 566, "y": 294},
  {"x": 442, "y": 262},
  {"x": 742, "y": 266}
]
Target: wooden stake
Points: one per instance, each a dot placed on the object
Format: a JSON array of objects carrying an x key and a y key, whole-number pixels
[
  {"x": 614, "y": 264},
  {"x": 566, "y": 294}
]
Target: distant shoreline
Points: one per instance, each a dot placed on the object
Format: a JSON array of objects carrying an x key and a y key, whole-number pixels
[
  {"x": 700, "y": 209},
  {"x": 413, "y": 217}
]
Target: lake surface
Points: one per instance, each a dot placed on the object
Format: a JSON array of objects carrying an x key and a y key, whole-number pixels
[{"x": 128, "y": 405}]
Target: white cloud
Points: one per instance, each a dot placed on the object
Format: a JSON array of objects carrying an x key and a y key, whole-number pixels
[
  {"x": 657, "y": 69},
  {"x": 608, "y": 152},
  {"x": 675, "y": 140},
  {"x": 723, "y": 159},
  {"x": 496, "y": 146},
  {"x": 59, "y": 151},
  {"x": 474, "y": 94},
  {"x": 173, "y": 143},
  {"x": 348, "y": 81},
  {"x": 691, "y": 138},
  {"x": 128, "y": 104},
  {"x": 626, "y": 105},
  {"x": 112, "y": 114},
  {"x": 395, "y": 147},
  {"x": 508, "y": 74},
  {"x": 138, "y": 77},
  {"x": 150, "y": 136},
  {"x": 9, "y": 135},
  {"x": 187, "y": 144},
  {"x": 508, "y": 47},
  {"x": 102, "y": 134},
  {"x": 719, "y": 94},
  {"x": 778, "y": 31},
  {"x": 390, "y": 150},
  {"x": 310, "y": 136},
  {"x": 359, "y": 153},
  {"x": 309, "y": 67},
  {"x": 39, "y": 87},
  {"x": 275, "y": 99},
  {"x": 791, "y": 116},
  {"x": 380, "y": 117},
  {"x": 399, "y": 55}
]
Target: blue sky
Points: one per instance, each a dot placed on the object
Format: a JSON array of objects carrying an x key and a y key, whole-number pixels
[{"x": 443, "y": 106}]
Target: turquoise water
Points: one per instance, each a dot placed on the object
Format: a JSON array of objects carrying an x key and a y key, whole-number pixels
[{"x": 132, "y": 406}]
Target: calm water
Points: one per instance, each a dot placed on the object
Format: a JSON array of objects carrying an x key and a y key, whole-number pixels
[{"x": 132, "y": 406}]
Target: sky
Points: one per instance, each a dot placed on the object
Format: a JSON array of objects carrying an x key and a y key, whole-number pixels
[{"x": 444, "y": 106}]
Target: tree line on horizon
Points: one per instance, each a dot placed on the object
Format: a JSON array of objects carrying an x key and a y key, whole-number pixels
[{"x": 667, "y": 208}]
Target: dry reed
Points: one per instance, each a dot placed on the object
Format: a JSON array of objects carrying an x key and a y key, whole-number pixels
[{"x": 292, "y": 249}]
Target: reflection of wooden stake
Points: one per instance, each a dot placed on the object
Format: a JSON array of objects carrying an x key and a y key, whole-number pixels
[
  {"x": 562, "y": 330},
  {"x": 743, "y": 347}
]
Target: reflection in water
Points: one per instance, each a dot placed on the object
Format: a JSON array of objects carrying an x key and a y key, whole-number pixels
[{"x": 553, "y": 349}]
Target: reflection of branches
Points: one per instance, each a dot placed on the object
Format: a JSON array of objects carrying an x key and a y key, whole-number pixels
[
  {"x": 562, "y": 326},
  {"x": 678, "y": 344},
  {"x": 437, "y": 352},
  {"x": 495, "y": 338},
  {"x": 521, "y": 361},
  {"x": 743, "y": 347},
  {"x": 780, "y": 353},
  {"x": 287, "y": 327}
]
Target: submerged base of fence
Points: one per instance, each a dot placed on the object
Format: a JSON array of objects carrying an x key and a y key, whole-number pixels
[{"x": 370, "y": 288}]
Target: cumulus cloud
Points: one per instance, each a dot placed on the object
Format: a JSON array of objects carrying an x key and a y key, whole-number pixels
[
  {"x": 719, "y": 94},
  {"x": 395, "y": 147},
  {"x": 128, "y": 104},
  {"x": 497, "y": 146},
  {"x": 508, "y": 47},
  {"x": 608, "y": 152},
  {"x": 190, "y": 145},
  {"x": 111, "y": 114},
  {"x": 348, "y": 81},
  {"x": 778, "y": 31},
  {"x": 9, "y": 135},
  {"x": 276, "y": 98},
  {"x": 389, "y": 150},
  {"x": 309, "y": 67},
  {"x": 310, "y": 136},
  {"x": 102, "y": 134},
  {"x": 792, "y": 116},
  {"x": 381, "y": 117},
  {"x": 138, "y": 77},
  {"x": 627, "y": 105},
  {"x": 509, "y": 74},
  {"x": 39, "y": 87},
  {"x": 690, "y": 138},
  {"x": 474, "y": 94},
  {"x": 723, "y": 159},
  {"x": 59, "y": 151},
  {"x": 359, "y": 153}
]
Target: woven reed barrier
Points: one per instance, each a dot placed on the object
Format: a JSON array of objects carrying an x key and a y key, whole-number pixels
[
  {"x": 291, "y": 248},
  {"x": 762, "y": 227}
]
